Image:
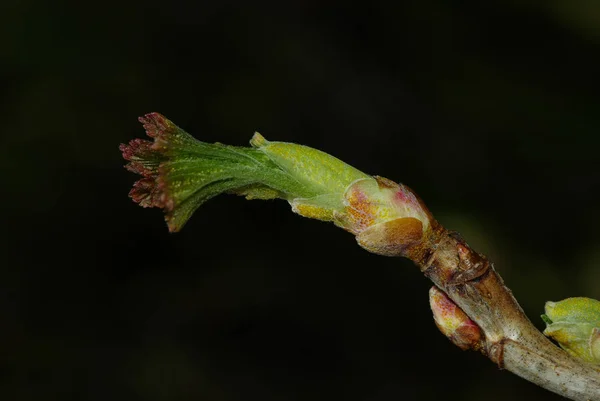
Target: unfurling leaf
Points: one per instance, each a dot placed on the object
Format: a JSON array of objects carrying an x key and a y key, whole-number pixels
[
  {"x": 574, "y": 324},
  {"x": 180, "y": 173}
]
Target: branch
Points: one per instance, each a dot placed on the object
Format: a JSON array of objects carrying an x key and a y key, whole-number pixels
[
  {"x": 509, "y": 338},
  {"x": 471, "y": 304}
]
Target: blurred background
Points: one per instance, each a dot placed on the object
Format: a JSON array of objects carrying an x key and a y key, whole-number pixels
[{"x": 489, "y": 110}]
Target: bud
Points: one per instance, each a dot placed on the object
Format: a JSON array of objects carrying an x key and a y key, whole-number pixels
[
  {"x": 180, "y": 173},
  {"x": 453, "y": 322},
  {"x": 387, "y": 218},
  {"x": 574, "y": 324}
]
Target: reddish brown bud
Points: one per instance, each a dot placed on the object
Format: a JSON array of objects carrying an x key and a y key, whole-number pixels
[{"x": 453, "y": 322}]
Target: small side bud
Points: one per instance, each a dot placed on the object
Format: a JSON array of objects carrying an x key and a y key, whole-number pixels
[
  {"x": 574, "y": 324},
  {"x": 258, "y": 140},
  {"x": 453, "y": 322}
]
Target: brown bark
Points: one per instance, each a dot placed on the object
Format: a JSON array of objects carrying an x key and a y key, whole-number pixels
[{"x": 510, "y": 339}]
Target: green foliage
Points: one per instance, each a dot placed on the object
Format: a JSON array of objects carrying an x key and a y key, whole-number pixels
[
  {"x": 180, "y": 173},
  {"x": 575, "y": 324}
]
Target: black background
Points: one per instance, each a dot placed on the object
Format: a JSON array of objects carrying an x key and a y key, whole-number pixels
[{"x": 489, "y": 110}]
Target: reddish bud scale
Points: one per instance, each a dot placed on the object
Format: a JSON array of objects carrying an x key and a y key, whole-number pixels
[
  {"x": 453, "y": 322},
  {"x": 386, "y": 217}
]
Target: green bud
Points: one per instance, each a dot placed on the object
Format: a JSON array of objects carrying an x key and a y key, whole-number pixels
[
  {"x": 180, "y": 173},
  {"x": 574, "y": 324}
]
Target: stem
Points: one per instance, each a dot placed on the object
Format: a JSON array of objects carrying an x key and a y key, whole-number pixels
[
  {"x": 510, "y": 339},
  {"x": 180, "y": 173}
]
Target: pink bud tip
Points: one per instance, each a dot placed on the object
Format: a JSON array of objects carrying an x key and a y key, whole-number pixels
[{"x": 453, "y": 322}]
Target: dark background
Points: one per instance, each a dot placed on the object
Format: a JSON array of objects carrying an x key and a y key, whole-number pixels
[{"x": 489, "y": 110}]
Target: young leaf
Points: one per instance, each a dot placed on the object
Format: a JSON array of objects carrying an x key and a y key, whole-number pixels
[
  {"x": 574, "y": 324},
  {"x": 180, "y": 173}
]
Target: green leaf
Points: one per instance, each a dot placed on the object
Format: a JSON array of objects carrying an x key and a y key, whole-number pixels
[
  {"x": 575, "y": 324},
  {"x": 181, "y": 173}
]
